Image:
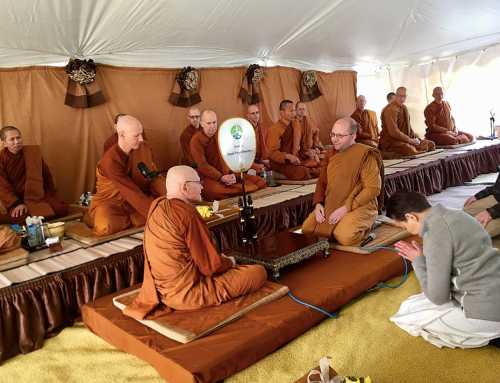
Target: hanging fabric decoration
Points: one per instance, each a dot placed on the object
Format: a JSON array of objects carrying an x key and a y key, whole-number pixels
[
  {"x": 185, "y": 92},
  {"x": 250, "y": 85},
  {"x": 309, "y": 89},
  {"x": 83, "y": 90}
]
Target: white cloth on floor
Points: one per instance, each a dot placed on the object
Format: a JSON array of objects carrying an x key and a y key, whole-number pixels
[{"x": 444, "y": 325}]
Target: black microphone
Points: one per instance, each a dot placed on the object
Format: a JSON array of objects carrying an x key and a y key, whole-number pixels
[
  {"x": 146, "y": 173},
  {"x": 368, "y": 239}
]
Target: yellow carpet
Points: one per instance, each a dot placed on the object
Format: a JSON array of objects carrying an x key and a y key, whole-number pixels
[{"x": 361, "y": 342}]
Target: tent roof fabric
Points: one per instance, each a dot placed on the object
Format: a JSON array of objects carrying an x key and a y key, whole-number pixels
[{"x": 323, "y": 34}]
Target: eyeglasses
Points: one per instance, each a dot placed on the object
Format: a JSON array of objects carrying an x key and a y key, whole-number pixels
[{"x": 336, "y": 135}]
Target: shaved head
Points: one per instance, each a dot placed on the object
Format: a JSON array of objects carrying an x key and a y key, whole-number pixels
[
  {"x": 401, "y": 95},
  {"x": 183, "y": 182},
  {"x": 253, "y": 114},
  {"x": 390, "y": 97},
  {"x": 208, "y": 122},
  {"x": 438, "y": 94},
  {"x": 193, "y": 117},
  {"x": 301, "y": 109},
  {"x": 361, "y": 102},
  {"x": 343, "y": 134},
  {"x": 130, "y": 132}
]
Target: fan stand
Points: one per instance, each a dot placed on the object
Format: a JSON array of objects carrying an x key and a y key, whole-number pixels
[{"x": 247, "y": 217}]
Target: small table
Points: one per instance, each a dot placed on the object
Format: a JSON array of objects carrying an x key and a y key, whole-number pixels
[{"x": 280, "y": 250}]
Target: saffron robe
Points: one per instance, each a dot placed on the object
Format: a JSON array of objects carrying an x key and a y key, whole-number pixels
[
  {"x": 281, "y": 142},
  {"x": 303, "y": 141},
  {"x": 182, "y": 268},
  {"x": 211, "y": 167},
  {"x": 368, "y": 128},
  {"x": 261, "y": 143},
  {"x": 441, "y": 125},
  {"x": 351, "y": 178},
  {"x": 185, "y": 141},
  {"x": 26, "y": 179},
  {"x": 123, "y": 194},
  {"x": 397, "y": 133}
]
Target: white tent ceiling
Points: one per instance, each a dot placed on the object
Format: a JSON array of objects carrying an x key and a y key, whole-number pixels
[{"x": 319, "y": 34}]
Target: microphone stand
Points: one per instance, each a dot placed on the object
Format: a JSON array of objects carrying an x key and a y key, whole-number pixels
[{"x": 247, "y": 217}]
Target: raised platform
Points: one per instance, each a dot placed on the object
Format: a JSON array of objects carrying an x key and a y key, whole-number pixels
[{"x": 327, "y": 282}]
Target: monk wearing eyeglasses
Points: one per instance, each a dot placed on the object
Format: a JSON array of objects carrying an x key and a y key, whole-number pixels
[
  {"x": 346, "y": 194},
  {"x": 397, "y": 137},
  {"x": 182, "y": 268},
  {"x": 193, "y": 118}
]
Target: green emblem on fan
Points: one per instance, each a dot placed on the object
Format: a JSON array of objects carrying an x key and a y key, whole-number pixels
[{"x": 236, "y": 132}]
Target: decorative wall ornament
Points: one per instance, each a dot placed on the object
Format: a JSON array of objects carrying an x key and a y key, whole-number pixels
[
  {"x": 309, "y": 89},
  {"x": 185, "y": 92},
  {"x": 250, "y": 84},
  {"x": 83, "y": 90}
]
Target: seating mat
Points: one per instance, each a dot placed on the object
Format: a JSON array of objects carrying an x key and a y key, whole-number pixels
[
  {"x": 81, "y": 232},
  {"x": 186, "y": 326},
  {"x": 298, "y": 182},
  {"x": 455, "y": 146},
  {"x": 386, "y": 235}
]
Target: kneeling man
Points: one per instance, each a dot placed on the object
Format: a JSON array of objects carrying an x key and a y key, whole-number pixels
[
  {"x": 348, "y": 186},
  {"x": 26, "y": 184},
  {"x": 458, "y": 270},
  {"x": 183, "y": 269}
]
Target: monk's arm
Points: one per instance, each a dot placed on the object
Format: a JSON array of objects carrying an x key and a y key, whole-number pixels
[
  {"x": 202, "y": 250},
  {"x": 391, "y": 124},
  {"x": 200, "y": 159},
  {"x": 127, "y": 188},
  {"x": 7, "y": 193},
  {"x": 320, "y": 192},
  {"x": 298, "y": 135},
  {"x": 370, "y": 182},
  {"x": 430, "y": 121},
  {"x": 48, "y": 180},
  {"x": 274, "y": 144}
]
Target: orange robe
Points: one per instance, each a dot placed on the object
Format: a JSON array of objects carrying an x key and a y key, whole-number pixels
[
  {"x": 182, "y": 269},
  {"x": 185, "y": 141},
  {"x": 397, "y": 132},
  {"x": 123, "y": 195},
  {"x": 25, "y": 178},
  {"x": 211, "y": 167},
  {"x": 261, "y": 143},
  {"x": 303, "y": 140},
  {"x": 351, "y": 178},
  {"x": 280, "y": 141},
  {"x": 368, "y": 128},
  {"x": 441, "y": 125}
]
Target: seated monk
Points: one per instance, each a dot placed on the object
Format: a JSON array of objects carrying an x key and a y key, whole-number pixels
[
  {"x": 280, "y": 142},
  {"x": 305, "y": 129},
  {"x": 348, "y": 186},
  {"x": 193, "y": 118},
  {"x": 397, "y": 135},
  {"x": 367, "y": 123},
  {"x": 142, "y": 154},
  {"x": 485, "y": 207},
  {"x": 182, "y": 269},
  {"x": 123, "y": 194},
  {"x": 440, "y": 123},
  {"x": 261, "y": 155},
  {"x": 218, "y": 180},
  {"x": 26, "y": 184}
]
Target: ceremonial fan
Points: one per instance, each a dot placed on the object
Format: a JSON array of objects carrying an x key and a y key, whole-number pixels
[{"x": 237, "y": 146}]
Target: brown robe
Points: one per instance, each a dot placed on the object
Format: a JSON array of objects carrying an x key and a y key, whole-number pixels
[
  {"x": 368, "y": 128},
  {"x": 397, "y": 132},
  {"x": 9, "y": 240},
  {"x": 303, "y": 140},
  {"x": 211, "y": 167},
  {"x": 182, "y": 269},
  {"x": 441, "y": 125},
  {"x": 123, "y": 194},
  {"x": 281, "y": 140},
  {"x": 262, "y": 152},
  {"x": 350, "y": 178},
  {"x": 185, "y": 141},
  {"x": 25, "y": 178}
]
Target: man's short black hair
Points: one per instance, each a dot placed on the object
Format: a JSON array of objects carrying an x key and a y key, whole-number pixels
[
  {"x": 284, "y": 104},
  {"x": 402, "y": 203}
]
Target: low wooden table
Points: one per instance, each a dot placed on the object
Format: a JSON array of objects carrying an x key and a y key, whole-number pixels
[{"x": 280, "y": 250}]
